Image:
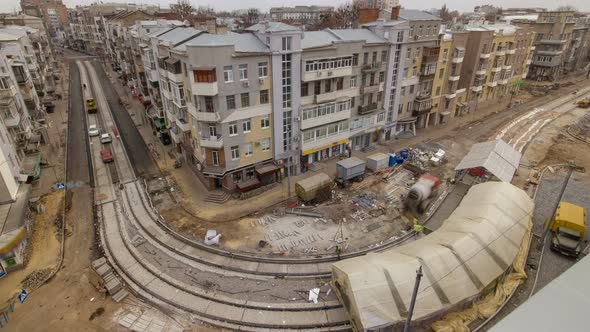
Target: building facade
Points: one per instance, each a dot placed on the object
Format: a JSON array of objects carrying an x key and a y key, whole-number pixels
[{"x": 299, "y": 14}]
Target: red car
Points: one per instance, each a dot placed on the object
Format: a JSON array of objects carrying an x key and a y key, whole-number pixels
[{"x": 106, "y": 156}]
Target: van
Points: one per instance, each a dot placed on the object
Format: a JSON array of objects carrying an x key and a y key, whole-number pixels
[
  {"x": 569, "y": 229},
  {"x": 105, "y": 138}
]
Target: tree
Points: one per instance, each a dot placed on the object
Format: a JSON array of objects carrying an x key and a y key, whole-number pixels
[
  {"x": 444, "y": 13},
  {"x": 567, "y": 8},
  {"x": 346, "y": 15},
  {"x": 183, "y": 8},
  {"x": 251, "y": 17}
]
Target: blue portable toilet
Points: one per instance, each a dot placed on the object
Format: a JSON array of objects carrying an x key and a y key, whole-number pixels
[
  {"x": 404, "y": 154},
  {"x": 392, "y": 159}
]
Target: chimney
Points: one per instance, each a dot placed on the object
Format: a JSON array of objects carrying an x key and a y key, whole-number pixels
[
  {"x": 395, "y": 13},
  {"x": 368, "y": 15}
]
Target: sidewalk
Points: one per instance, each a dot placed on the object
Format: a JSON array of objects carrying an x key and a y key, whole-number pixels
[{"x": 193, "y": 193}]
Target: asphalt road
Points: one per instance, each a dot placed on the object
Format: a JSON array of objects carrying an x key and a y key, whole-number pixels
[{"x": 139, "y": 155}]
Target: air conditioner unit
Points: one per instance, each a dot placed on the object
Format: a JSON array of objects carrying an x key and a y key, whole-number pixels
[
  {"x": 330, "y": 73},
  {"x": 319, "y": 73},
  {"x": 245, "y": 83},
  {"x": 298, "y": 118},
  {"x": 256, "y": 144},
  {"x": 416, "y": 37},
  {"x": 261, "y": 80}
]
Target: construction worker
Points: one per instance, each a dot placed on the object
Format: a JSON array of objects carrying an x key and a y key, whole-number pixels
[{"x": 338, "y": 250}]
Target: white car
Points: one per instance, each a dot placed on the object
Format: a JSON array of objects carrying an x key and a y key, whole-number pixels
[
  {"x": 105, "y": 138},
  {"x": 93, "y": 130}
]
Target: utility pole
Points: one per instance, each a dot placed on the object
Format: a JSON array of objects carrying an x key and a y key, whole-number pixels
[
  {"x": 289, "y": 176},
  {"x": 413, "y": 301},
  {"x": 571, "y": 166}
]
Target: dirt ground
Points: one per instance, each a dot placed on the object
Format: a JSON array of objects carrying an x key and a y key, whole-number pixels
[{"x": 42, "y": 249}]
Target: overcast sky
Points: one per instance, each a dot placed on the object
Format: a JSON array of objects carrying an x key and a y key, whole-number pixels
[{"x": 461, "y": 5}]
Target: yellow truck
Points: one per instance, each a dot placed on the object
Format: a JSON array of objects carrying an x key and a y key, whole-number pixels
[
  {"x": 569, "y": 229},
  {"x": 91, "y": 105}
]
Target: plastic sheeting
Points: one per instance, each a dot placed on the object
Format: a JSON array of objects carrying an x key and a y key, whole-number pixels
[
  {"x": 475, "y": 245},
  {"x": 497, "y": 157}
]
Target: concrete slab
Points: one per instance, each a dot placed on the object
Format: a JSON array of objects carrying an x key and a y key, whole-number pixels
[
  {"x": 185, "y": 300},
  {"x": 226, "y": 311},
  {"x": 303, "y": 268}
]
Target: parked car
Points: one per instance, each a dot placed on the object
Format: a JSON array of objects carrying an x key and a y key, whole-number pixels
[
  {"x": 93, "y": 130},
  {"x": 91, "y": 105},
  {"x": 106, "y": 156},
  {"x": 105, "y": 138}
]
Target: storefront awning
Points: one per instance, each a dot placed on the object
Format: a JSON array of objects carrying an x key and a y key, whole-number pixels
[
  {"x": 267, "y": 169},
  {"x": 248, "y": 185}
]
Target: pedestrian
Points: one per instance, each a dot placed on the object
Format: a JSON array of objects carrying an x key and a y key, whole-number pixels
[
  {"x": 349, "y": 150},
  {"x": 338, "y": 250}
]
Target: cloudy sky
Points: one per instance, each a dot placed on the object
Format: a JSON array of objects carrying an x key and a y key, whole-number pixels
[{"x": 461, "y": 5}]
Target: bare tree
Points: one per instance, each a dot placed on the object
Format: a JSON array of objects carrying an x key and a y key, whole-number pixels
[
  {"x": 567, "y": 8},
  {"x": 251, "y": 17},
  {"x": 346, "y": 15},
  {"x": 183, "y": 8}
]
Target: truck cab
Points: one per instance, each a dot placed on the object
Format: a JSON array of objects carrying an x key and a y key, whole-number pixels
[
  {"x": 568, "y": 229},
  {"x": 91, "y": 105}
]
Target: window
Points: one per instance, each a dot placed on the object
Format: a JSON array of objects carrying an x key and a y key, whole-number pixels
[
  {"x": 19, "y": 74},
  {"x": 383, "y": 56},
  {"x": 304, "y": 89},
  {"x": 328, "y": 86},
  {"x": 204, "y": 76},
  {"x": 247, "y": 126},
  {"x": 340, "y": 83},
  {"x": 414, "y": 72},
  {"x": 262, "y": 69},
  {"x": 228, "y": 75},
  {"x": 243, "y": 72},
  {"x": 441, "y": 73},
  {"x": 287, "y": 131},
  {"x": 409, "y": 54},
  {"x": 265, "y": 122},
  {"x": 365, "y": 58},
  {"x": 381, "y": 117},
  {"x": 230, "y": 101},
  {"x": 437, "y": 90},
  {"x": 374, "y": 58},
  {"x": 265, "y": 144},
  {"x": 316, "y": 88},
  {"x": 233, "y": 129},
  {"x": 400, "y": 109},
  {"x": 215, "y": 158},
  {"x": 245, "y": 99},
  {"x": 379, "y": 96},
  {"x": 212, "y": 131},
  {"x": 400, "y": 36},
  {"x": 403, "y": 91},
  {"x": 353, "y": 82},
  {"x": 382, "y": 77},
  {"x": 209, "y": 104},
  {"x": 286, "y": 79},
  {"x": 372, "y": 79},
  {"x": 4, "y": 83},
  {"x": 364, "y": 80},
  {"x": 287, "y": 43},
  {"x": 411, "y": 89},
  {"x": 355, "y": 59},
  {"x": 264, "y": 96},
  {"x": 248, "y": 148},
  {"x": 235, "y": 152}
]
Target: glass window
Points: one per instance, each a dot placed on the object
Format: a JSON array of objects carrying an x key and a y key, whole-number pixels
[
  {"x": 209, "y": 104},
  {"x": 355, "y": 59},
  {"x": 235, "y": 152},
  {"x": 265, "y": 144},
  {"x": 353, "y": 82},
  {"x": 304, "y": 89},
  {"x": 243, "y": 71},
  {"x": 287, "y": 43},
  {"x": 233, "y": 128},
  {"x": 248, "y": 150},
  {"x": 264, "y": 96},
  {"x": 340, "y": 83},
  {"x": 381, "y": 77},
  {"x": 265, "y": 122},
  {"x": 365, "y": 58},
  {"x": 383, "y": 56},
  {"x": 245, "y": 99},
  {"x": 262, "y": 69},
  {"x": 230, "y": 102},
  {"x": 247, "y": 126},
  {"x": 228, "y": 75},
  {"x": 316, "y": 88}
]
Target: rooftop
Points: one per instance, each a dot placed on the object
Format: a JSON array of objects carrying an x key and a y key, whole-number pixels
[
  {"x": 326, "y": 37},
  {"x": 496, "y": 28},
  {"x": 272, "y": 27},
  {"x": 417, "y": 15},
  {"x": 242, "y": 42},
  {"x": 178, "y": 35}
]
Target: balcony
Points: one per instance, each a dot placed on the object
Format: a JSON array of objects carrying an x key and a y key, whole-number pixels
[
  {"x": 529, "y": 61},
  {"x": 325, "y": 97},
  {"x": 460, "y": 91},
  {"x": 372, "y": 88},
  {"x": 422, "y": 107},
  {"x": 457, "y": 60},
  {"x": 12, "y": 121},
  {"x": 214, "y": 142},
  {"x": 481, "y": 71},
  {"x": 492, "y": 84},
  {"x": 454, "y": 78},
  {"x": 175, "y": 77},
  {"x": 183, "y": 124},
  {"x": 325, "y": 119},
  {"x": 428, "y": 69},
  {"x": 496, "y": 69},
  {"x": 511, "y": 51},
  {"x": 366, "y": 109},
  {"x": 553, "y": 62},
  {"x": 507, "y": 67},
  {"x": 476, "y": 88},
  {"x": 549, "y": 52},
  {"x": 501, "y": 52},
  {"x": 203, "y": 116},
  {"x": 532, "y": 48},
  {"x": 553, "y": 41},
  {"x": 8, "y": 93},
  {"x": 372, "y": 67},
  {"x": 503, "y": 82},
  {"x": 327, "y": 73},
  {"x": 204, "y": 89},
  {"x": 451, "y": 96},
  {"x": 485, "y": 55}
]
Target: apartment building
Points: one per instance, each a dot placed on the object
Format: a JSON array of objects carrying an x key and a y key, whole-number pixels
[
  {"x": 577, "y": 53},
  {"x": 497, "y": 61},
  {"x": 554, "y": 30},
  {"x": 447, "y": 98},
  {"x": 421, "y": 58},
  {"x": 379, "y": 4},
  {"x": 53, "y": 12},
  {"x": 115, "y": 26},
  {"x": 299, "y": 14},
  {"x": 226, "y": 119}
]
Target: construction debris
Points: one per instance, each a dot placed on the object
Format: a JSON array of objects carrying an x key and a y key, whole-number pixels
[{"x": 212, "y": 238}]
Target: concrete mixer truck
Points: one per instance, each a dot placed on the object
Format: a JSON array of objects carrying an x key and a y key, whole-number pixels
[{"x": 421, "y": 193}]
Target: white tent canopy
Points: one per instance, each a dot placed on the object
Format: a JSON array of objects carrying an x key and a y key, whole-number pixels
[
  {"x": 497, "y": 157},
  {"x": 473, "y": 247}
]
